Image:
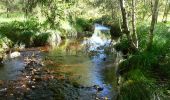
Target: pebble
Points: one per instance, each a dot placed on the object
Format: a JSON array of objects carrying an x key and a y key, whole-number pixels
[
  {"x": 2, "y": 90},
  {"x": 28, "y": 77},
  {"x": 23, "y": 86},
  {"x": 105, "y": 98},
  {"x": 98, "y": 88},
  {"x": 28, "y": 89},
  {"x": 33, "y": 87}
]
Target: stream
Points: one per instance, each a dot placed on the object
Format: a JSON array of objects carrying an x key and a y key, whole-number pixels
[{"x": 89, "y": 64}]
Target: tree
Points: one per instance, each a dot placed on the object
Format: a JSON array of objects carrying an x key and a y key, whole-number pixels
[
  {"x": 166, "y": 11},
  {"x": 134, "y": 35},
  {"x": 153, "y": 21},
  {"x": 125, "y": 25},
  {"x": 7, "y": 8}
]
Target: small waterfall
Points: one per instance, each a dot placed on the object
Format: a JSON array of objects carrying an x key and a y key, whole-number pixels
[
  {"x": 101, "y": 27},
  {"x": 98, "y": 38}
]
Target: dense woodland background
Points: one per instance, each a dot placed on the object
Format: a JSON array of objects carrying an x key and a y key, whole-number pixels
[{"x": 141, "y": 29}]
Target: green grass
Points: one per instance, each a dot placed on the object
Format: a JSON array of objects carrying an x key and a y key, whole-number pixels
[
  {"x": 24, "y": 32},
  {"x": 138, "y": 70},
  {"x": 16, "y": 16},
  {"x": 2, "y": 20},
  {"x": 135, "y": 90}
]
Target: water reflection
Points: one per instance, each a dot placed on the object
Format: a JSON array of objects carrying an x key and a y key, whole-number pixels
[
  {"x": 88, "y": 62},
  {"x": 12, "y": 68}
]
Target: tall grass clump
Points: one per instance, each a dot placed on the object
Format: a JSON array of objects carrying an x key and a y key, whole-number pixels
[
  {"x": 41, "y": 39},
  {"x": 136, "y": 87},
  {"x": 25, "y": 32},
  {"x": 20, "y": 32}
]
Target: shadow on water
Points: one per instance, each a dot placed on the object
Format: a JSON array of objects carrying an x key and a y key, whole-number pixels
[{"x": 11, "y": 69}]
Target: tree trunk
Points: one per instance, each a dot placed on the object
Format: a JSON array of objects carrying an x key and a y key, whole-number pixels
[
  {"x": 134, "y": 35},
  {"x": 112, "y": 11},
  {"x": 166, "y": 11},
  {"x": 154, "y": 19},
  {"x": 125, "y": 24},
  {"x": 144, "y": 13},
  {"x": 151, "y": 4},
  {"x": 7, "y": 9},
  {"x": 26, "y": 8},
  {"x": 166, "y": 16}
]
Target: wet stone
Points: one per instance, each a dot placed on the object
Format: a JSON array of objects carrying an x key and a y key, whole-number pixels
[{"x": 38, "y": 78}]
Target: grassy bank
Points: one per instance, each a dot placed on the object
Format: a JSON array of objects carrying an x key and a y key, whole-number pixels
[
  {"x": 146, "y": 74},
  {"x": 31, "y": 32}
]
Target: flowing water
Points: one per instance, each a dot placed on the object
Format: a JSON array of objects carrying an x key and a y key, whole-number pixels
[
  {"x": 11, "y": 68},
  {"x": 88, "y": 62}
]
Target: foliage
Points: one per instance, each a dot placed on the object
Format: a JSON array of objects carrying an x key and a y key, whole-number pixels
[
  {"x": 115, "y": 30},
  {"x": 82, "y": 25},
  {"x": 142, "y": 31},
  {"x": 41, "y": 39},
  {"x": 123, "y": 46},
  {"x": 137, "y": 86},
  {"x": 20, "y": 32},
  {"x": 26, "y": 38},
  {"x": 72, "y": 16},
  {"x": 141, "y": 66},
  {"x": 135, "y": 90},
  {"x": 106, "y": 20}
]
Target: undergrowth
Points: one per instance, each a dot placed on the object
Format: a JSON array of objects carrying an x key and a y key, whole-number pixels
[
  {"x": 23, "y": 32},
  {"x": 143, "y": 71}
]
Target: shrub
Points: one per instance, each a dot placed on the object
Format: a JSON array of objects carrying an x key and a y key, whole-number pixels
[
  {"x": 41, "y": 39},
  {"x": 139, "y": 69},
  {"x": 123, "y": 46},
  {"x": 135, "y": 90},
  {"x": 26, "y": 38},
  {"x": 20, "y": 32},
  {"x": 83, "y": 25},
  {"x": 105, "y": 20},
  {"x": 115, "y": 31}
]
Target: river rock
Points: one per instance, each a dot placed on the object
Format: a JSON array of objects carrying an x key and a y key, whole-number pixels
[
  {"x": 98, "y": 88},
  {"x": 14, "y": 54},
  {"x": 54, "y": 38},
  {"x": 38, "y": 78}
]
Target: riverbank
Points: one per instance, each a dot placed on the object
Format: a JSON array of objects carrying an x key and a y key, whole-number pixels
[
  {"x": 61, "y": 74},
  {"x": 37, "y": 82},
  {"x": 146, "y": 72}
]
